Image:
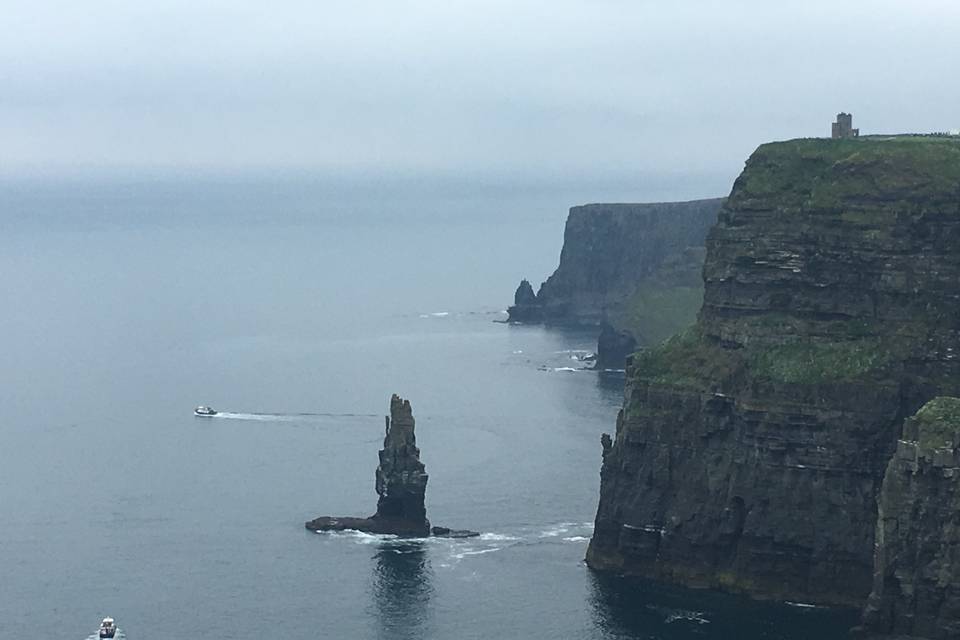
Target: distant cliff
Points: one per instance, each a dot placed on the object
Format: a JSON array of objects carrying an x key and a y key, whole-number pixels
[
  {"x": 635, "y": 266},
  {"x": 751, "y": 448}
]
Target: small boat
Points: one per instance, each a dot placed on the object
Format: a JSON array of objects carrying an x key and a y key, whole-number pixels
[
  {"x": 108, "y": 628},
  {"x": 204, "y": 411}
]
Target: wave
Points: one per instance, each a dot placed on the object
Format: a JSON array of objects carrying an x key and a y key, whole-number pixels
[
  {"x": 452, "y": 552},
  {"x": 498, "y": 537},
  {"x": 687, "y": 616},
  {"x": 361, "y": 537},
  {"x": 475, "y": 552},
  {"x": 555, "y": 531}
]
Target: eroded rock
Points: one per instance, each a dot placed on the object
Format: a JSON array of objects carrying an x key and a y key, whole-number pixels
[
  {"x": 613, "y": 347},
  {"x": 401, "y": 484},
  {"x": 526, "y": 307}
]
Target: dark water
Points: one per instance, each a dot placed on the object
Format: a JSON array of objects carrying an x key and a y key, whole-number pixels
[{"x": 124, "y": 308}]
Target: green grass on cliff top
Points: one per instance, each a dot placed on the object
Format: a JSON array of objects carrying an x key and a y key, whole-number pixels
[
  {"x": 937, "y": 423},
  {"x": 826, "y": 173}
]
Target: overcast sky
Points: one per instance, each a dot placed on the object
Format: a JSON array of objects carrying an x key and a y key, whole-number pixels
[{"x": 493, "y": 87}]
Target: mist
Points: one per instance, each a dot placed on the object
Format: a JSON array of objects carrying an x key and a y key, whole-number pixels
[{"x": 544, "y": 93}]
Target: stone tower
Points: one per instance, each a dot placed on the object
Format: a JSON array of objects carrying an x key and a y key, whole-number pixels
[{"x": 843, "y": 127}]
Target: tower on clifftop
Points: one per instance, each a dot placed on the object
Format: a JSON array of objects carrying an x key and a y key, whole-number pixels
[{"x": 843, "y": 127}]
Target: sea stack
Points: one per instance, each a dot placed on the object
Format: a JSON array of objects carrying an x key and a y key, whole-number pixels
[
  {"x": 526, "y": 307},
  {"x": 401, "y": 477},
  {"x": 401, "y": 484}
]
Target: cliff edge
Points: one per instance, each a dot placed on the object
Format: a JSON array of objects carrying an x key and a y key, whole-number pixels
[{"x": 750, "y": 449}]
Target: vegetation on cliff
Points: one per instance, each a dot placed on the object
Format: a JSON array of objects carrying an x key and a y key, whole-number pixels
[
  {"x": 936, "y": 425},
  {"x": 916, "y": 171}
]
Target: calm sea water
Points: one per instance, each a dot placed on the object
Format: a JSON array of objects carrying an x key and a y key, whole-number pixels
[{"x": 125, "y": 305}]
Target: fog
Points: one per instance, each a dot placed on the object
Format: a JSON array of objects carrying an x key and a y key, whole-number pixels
[{"x": 520, "y": 91}]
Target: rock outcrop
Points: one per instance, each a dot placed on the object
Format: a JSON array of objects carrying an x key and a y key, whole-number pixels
[
  {"x": 751, "y": 448},
  {"x": 525, "y": 307},
  {"x": 614, "y": 346},
  {"x": 635, "y": 266},
  {"x": 916, "y": 581},
  {"x": 401, "y": 484}
]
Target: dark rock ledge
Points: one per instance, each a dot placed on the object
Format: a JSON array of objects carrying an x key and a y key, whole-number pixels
[{"x": 401, "y": 485}]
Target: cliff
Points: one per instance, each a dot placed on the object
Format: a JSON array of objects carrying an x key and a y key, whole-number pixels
[
  {"x": 637, "y": 266},
  {"x": 916, "y": 582},
  {"x": 751, "y": 448}
]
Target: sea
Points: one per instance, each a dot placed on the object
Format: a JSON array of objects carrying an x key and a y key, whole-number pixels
[{"x": 296, "y": 307}]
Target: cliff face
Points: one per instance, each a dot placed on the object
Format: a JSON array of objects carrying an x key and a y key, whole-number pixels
[
  {"x": 637, "y": 266},
  {"x": 916, "y": 582},
  {"x": 751, "y": 448}
]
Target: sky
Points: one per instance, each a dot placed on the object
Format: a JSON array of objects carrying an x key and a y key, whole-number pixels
[{"x": 561, "y": 90}]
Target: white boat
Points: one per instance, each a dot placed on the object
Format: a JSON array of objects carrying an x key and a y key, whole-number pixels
[
  {"x": 204, "y": 411},
  {"x": 108, "y": 628}
]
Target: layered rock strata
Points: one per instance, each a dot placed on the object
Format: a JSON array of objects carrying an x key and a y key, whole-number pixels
[
  {"x": 750, "y": 448},
  {"x": 401, "y": 484},
  {"x": 916, "y": 581},
  {"x": 636, "y": 266}
]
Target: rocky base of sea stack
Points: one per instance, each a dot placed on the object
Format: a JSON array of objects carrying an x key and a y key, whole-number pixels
[
  {"x": 371, "y": 525},
  {"x": 386, "y": 526}
]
